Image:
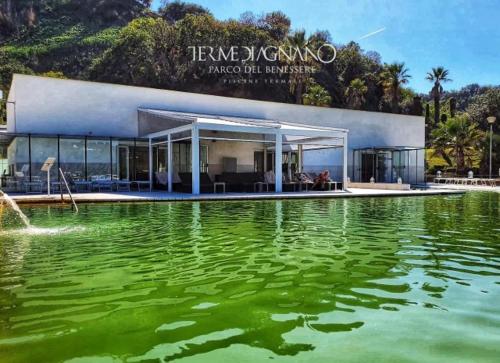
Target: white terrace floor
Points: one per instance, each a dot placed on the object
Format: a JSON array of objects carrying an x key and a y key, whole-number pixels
[
  {"x": 464, "y": 187},
  {"x": 164, "y": 196}
]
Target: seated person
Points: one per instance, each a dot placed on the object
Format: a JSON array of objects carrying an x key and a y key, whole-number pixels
[{"x": 322, "y": 179}]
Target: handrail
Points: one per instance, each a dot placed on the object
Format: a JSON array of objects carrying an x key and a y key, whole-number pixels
[{"x": 69, "y": 191}]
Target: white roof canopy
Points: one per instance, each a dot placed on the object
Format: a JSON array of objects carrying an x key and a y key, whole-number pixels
[{"x": 175, "y": 122}]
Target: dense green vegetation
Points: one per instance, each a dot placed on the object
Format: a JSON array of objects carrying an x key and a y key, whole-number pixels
[{"x": 124, "y": 41}]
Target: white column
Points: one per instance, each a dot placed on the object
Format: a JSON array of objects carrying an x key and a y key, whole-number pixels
[
  {"x": 150, "y": 166},
  {"x": 289, "y": 165},
  {"x": 278, "y": 161},
  {"x": 195, "y": 159},
  {"x": 170, "y": 165},
  {"x": 345, "y": 150},
  {"x": 265, "y": 159},
  {"x": 300, "y": 156}
]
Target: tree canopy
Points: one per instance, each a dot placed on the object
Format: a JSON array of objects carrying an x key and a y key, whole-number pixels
[{"x": 124, "y": 41}]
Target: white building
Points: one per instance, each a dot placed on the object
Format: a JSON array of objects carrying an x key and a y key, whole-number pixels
[{"x": 102, "y": 131}]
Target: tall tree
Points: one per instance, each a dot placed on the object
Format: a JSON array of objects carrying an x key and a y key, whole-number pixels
[
  {"x": 16, "y": 14},
  {"x": 177, "y": 10},
  {"x": 299, "y": 80},
  {"x": 437, "y": 75},
  {"x": 355, "y": 93},
  {"x": 276, "y": 23},
  {"x": 317, "y": 96},
  {"x": 453, "y": 106},
  {"x": 459, "y": 138},
  {"x": 393, "y": 77}
]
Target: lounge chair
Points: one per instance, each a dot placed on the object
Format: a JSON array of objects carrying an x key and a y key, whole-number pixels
[
  {"x": 241, "y": 182},
  {"x": 304, "y": 180}
]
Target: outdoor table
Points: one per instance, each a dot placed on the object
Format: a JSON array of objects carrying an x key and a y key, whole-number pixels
[
  {"x": 304, "y": 183},
  {"x": 222, "y": 184},
  {"x": 330, "y": 185}
]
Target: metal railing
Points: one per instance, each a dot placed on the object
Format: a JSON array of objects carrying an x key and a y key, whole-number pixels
[{"x": 74, "y": 206}]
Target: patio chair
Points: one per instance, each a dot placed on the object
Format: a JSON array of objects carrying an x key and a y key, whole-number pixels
[
  {"x": 270, "y": 179},
  {"x": 82, "y": 186},
  {"x": 55, "y": 186},
  {"x": 161, "y": 178},
  {"x": 122, "y": 185},
  {"x": 12, "y": 184},
  {"x": 103, "y": 185}
]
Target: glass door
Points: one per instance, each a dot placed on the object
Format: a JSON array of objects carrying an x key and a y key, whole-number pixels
[
  {"x": 123, "y": 162},
  {"x": 367, "y": 166},
  {"x": 384, "y": 161}
]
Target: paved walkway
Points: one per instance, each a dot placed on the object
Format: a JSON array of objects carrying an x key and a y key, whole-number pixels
[
  {"x": 463, "y": 187},
  {"x": 164, "y": 196}
]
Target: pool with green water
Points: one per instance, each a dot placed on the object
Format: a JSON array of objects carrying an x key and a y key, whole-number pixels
[{"x": 413, "y": 279}]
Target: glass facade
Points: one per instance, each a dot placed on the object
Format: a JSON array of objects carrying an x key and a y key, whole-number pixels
[
  {"x": 18, "y": 155},
  {"x": 98, "y": 159},
  {"x": 181, "y": 153},
  {"x": 141, "y": 160},
  {"x": 72, "y": 157},
  {"x": 41, "y": 149},
  {"x": 388, "y": 165},
  {"x": 83, "y": 158}
]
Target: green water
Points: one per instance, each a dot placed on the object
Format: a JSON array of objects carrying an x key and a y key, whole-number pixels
[{"x": 343, "y": 280}]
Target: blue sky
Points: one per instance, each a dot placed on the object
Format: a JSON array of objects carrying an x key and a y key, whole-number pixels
[{"x": 461, "y": 35}]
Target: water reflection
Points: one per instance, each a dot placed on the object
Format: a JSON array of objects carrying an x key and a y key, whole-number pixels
[{"x": 288, "y": 278}]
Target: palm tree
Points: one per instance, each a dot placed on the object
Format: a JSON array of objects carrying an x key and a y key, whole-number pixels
[
  {"x": 299, "y": 80},
  {"x": 355, "y": 93},
  {"x": 317, "y": 96},
  {"x": 458, "y": 138},
  {"x": 392, "y": 77},
  {"x": 437, "y": 75}
]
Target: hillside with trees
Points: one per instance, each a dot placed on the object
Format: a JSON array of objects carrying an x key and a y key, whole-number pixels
[{"x": 125, "y": 42}]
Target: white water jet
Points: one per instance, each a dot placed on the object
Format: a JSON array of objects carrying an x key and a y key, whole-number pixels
[
  {"x": 15, "y": 208},
  {"x": 34, "y": 231}
]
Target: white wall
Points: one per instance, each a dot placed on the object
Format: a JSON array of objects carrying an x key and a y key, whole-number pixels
[
  {"x": 68, "y": 107},
  {"x": 242, "y": 151}
]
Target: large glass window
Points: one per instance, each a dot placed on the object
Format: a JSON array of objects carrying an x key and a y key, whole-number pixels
[
  {"x": 399, "y": 165},
  {"x": 41, "y": 149},
  {"x": 203, "y": 159},
  {"x": 182, "y": 157},
  {"x": 160, "y": 159},
  {"x": 4, "y": 162},
  {"x": 258, "y": 161},
  {"x": 141, "y": 160},
  {"x": 98, "y": 159},
  {"x": 72, "y": 157}
]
